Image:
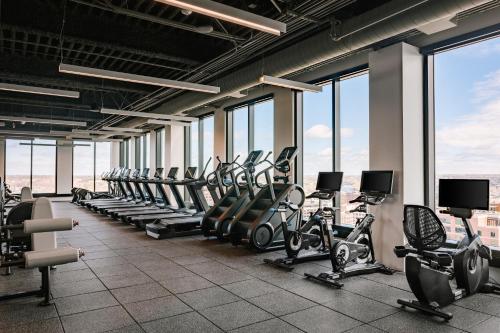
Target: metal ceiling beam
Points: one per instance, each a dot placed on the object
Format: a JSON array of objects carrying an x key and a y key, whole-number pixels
[
  {"x": 151, "y": 18},
  {"x": 107, "y": 46}
]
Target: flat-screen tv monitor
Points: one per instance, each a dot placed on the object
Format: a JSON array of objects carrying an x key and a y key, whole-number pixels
[
  {"x": 158, "y": 173},
  {"x": 172, "y": 173},
  {"x": 329, "y": 181},
  {"x": 376, "y": 182},
  {"x": 190, "y": 173},
  {"x": 464, "y": 193}
]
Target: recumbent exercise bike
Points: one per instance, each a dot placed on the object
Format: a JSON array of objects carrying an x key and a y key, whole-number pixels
[{"x": 429, "y": 265}]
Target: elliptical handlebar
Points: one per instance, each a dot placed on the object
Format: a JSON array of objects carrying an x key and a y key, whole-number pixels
[{"x": 212, "y": 176}]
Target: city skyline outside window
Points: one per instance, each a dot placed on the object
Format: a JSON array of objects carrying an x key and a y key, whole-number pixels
[
  {"x": 17, "y": 164},
  {"x": 354, "y": 141},
  {"x": 208, "y": 145},
  {"x": 467, "y": 127},
  {"x": 194, "y": 144},
  {"x": 318, "y": 141}
]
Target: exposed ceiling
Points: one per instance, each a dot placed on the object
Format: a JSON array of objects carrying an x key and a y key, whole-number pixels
[{"x": 140, "y": 37}]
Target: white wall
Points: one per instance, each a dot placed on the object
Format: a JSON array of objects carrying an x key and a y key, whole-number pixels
[
  {"x": 396, "y": 142},
  {"x": 115, "y": 154},
  {"x": 64, "y": 162}
]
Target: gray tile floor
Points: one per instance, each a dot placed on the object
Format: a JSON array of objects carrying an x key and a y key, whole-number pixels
[{"x": 128, "y": 282}]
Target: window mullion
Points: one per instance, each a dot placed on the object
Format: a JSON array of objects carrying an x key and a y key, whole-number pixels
[{"x": 251, "y": 127}]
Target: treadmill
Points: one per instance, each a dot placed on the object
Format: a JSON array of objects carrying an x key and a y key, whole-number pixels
[
  {"x": 118, "y": 180},
  {"x": 188, "y": 224},
  {"x": 132, "y": 200},
  {"x": 140, "y": 220},
  {"x": 154, "y": 207}
]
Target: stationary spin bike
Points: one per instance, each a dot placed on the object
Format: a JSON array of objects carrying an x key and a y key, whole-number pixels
[
  {"x": 308, "y": 234},
  {"x": 355, "y": 255},
  {"x": 430, "y": 266}
]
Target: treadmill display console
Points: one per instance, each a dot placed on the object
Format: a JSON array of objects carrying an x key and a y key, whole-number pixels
[
  {"x": 190, "y": 173},
  {"x": 172, "y": 173},
  {"x": 158, "y": 173}
]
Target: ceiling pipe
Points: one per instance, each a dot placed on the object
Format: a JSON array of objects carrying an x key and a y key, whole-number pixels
[{"x": 322, "y": 46}]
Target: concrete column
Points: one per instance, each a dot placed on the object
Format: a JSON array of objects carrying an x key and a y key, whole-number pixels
[
  {"x": 284, "y": 122},
  {"x": 152, "y": 152},
  {"x": 174, "y": 152},
  {"x": 132, "y": 153},
  {"x": 396, "y": 140},
  {"x": 115, "y": 154},
  {"x": 2, "y": 159},
  {"x": 64, "y": 167},
  {"x": 220, "y": 148}
]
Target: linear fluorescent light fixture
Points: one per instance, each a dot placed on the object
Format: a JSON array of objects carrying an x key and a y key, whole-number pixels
[
  {"x": 230, "y": 14},
  {"x": 120, "y": 76},
  {"x": 147, "y": 115},
  {"x": 54, "y": 145},
  {"x": 43, "y": 121},
  {"x": 39, "y": 90},
  {"x": 122, "y": 129},
  {"x": 167, "y": 122},
  {"x": 276, "y": 81},
  {"x": 100, "y": 132}
]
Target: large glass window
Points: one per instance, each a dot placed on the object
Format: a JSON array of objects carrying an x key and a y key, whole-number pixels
[
  {"x": 318, "y": 139},
  {"x": 145, "y": 140},
  {"x": 240, "y": 132},
  {"x": 17, "y": 164},
  {"x": 251, "y": 127},
  {"x": 354, "y": 140},
  {"x": 43, "y": 173},
  {"x": 264, "y": 127},
  {"x": 102, "y": 164},
  {"x": 83, "y": 165},
  {"x": 138, "y": 152},
  {"x": 467, "y": 127}
]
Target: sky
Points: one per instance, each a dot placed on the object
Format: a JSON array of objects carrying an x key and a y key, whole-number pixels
[
  {"x": 354, "y": 121},
  {"x": 467, "y": 108}
]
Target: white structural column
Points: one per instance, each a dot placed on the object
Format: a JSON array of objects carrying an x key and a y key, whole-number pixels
[
  {"x": 2, "y": 159},
  {"x": 174, "y": 153},
  {"x": 64, "y": 167},
  {"x": 396, "y": 140},
  {"x": 132, "y": 153},
  {"x": 115, "y": 154},
  {"x": 219, "y": 136},
  {"x": 284, "y": 122},
  {"x": 152, "y": 153}
]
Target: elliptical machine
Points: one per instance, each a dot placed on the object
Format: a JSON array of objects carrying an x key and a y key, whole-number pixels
[
  {"x": 357, "y": 248},
  {"x": 309, "y": 234},
  {"x": 429, "y": 267}
]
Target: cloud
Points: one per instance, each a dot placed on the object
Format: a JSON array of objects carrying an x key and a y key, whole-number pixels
[
  {"x": 487, "y": 89},
  {"x": 346, "y": 132},
  {"x": 318, "y": 131},
  {"x": 470, "y": 143},
  {"x": 327, "y": 152},
  {"x": 479, "y": 50}
]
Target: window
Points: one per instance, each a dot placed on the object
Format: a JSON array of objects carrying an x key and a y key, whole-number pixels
[
  {"x": 467, "y": 123},
  {"x": 240, "y": 133},
  {"x": 160, "y": 148},
  {"x": 83, "y": 165},
  {"x": 43, "y": 173},
  {"x": 318, "y": 140},
  {"x": 102, "y": 164},
  {"x": 492, "y": 234},
  {"x": 264, "y": 127},
  {"x": 17, "y": 164},
  {"x": 250, "y": 127},
  {"x": 130, "y": 153},
  {"x": 354, "y": 140}
]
